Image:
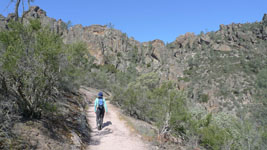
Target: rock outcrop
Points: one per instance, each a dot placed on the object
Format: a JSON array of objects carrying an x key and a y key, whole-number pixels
[
  {"x": 35, "y": 12},
  {"x": 185, "y": 40}
]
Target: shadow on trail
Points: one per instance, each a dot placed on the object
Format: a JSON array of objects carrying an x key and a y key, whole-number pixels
[
  {"x": 94, "y": 142},
  {"x": 100, "y": 134},
  {"x": 105, "y": 132},
  {"x": 106, "y": 124}
]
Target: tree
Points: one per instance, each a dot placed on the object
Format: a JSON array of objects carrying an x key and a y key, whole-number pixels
[{"x": 17, "y": 8}]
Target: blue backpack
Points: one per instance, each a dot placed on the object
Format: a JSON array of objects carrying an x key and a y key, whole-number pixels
[{"x": 101, "y": 103}]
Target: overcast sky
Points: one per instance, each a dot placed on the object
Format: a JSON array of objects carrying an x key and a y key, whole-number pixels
[{"x": 147, "y": 20}]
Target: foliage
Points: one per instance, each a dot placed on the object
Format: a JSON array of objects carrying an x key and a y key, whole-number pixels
[
  {"x": 259, "y": 110},
  {"x": 212, "y": 137},
  {"x": 109, "y": 68},
  {"x": 165, "y": 106},
  {"x": 204, "y": 98},
  {"x": 36, "y": 66},
  {"x": 262, "y": 79},
  {"x": 75, "y": 64},
  {"x": 134, "y": 97}
]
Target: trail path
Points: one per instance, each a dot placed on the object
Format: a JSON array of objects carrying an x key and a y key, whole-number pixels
[{"x": 115, "y": 134}]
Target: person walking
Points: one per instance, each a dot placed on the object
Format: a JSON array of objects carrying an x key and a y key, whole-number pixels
[{"x": 100, "y": 109}]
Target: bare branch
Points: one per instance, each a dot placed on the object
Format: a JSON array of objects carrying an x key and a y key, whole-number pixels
[{"x": 17, "y": 10}]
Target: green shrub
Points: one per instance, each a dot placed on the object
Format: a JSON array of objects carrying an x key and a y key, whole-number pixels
[
  {"x": 119, "y": 54},
  {"x": 204, "y": 98},
  {"x": 98, "y": 79},
  {"x": 213, "y": 137},
  {"x": 35, "y": 66},
  {"x": 185, "y": 79},
  {"x": 262, "y": 79},
  {"x": 35, "y": 24},
  {"x": 109, "y": 68},
  {"x": 188, "y": 72},
  {"x": 264, "y": 135}
]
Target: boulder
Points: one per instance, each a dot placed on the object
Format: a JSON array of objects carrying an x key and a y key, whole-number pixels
[
  {"x": 221, "y": 47},
  {"x": 205, "y": 39}
]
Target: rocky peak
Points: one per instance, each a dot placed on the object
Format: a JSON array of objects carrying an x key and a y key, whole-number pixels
[
  {"x": 96, "y": 29},
  {"x": 264, "y": 19},
  {"x": 186, "y": 39},
  {"x": 10, "y": 16},
  {"x": 158, "y": 43},
  {"x": 222, "y": 27},
  {"x": 35, "y": 12}
]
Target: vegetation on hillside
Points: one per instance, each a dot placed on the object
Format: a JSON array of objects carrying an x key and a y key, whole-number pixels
[
  {"x": 234, "y": 79},
  {"x": 36, "y": 69},
  {"x": 161, "y": 103}
]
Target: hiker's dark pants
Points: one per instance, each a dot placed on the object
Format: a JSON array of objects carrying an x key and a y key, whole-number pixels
[{"x": 100, "y": 115}]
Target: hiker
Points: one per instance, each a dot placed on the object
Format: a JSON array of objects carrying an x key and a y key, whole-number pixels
[{"x": 100, "y": 109}]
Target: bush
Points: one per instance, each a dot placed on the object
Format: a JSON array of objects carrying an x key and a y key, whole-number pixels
[
  {"x": 259, "y": 111},
  {"x": 204, "y": 98},
  {"x": 109, "y": 68},
  {"x": 213, "y": 137},
  {"x": 35, "y": 66},
  {"x": 262, "y": 79}
]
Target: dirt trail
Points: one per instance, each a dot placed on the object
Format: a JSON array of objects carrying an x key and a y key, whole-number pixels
[{"x": 115, "y": 134}]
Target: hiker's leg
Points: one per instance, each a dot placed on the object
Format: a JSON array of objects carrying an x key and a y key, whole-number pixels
[
  {"x": 103, "y": 113},
  {"x": 97, "y": 116},
  {"x": 102, "y": 116}
]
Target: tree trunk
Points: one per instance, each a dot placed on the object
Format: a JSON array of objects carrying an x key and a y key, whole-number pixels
[
  {"x": 29, "y": 4},
  {"x": 17, "y": 10}
]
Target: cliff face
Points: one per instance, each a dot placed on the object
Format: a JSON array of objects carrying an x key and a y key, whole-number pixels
[{"x": 217, "y": 69}]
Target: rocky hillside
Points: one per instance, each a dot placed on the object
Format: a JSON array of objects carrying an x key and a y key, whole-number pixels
[
  {"x": 221, "y": 67},
  {"x": 219, "y": 71}
]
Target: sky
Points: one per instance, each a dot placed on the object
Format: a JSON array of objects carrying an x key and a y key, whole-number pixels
[{"x": 146, "y": 20}]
